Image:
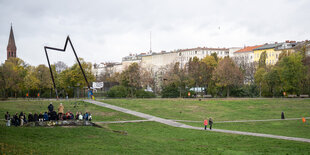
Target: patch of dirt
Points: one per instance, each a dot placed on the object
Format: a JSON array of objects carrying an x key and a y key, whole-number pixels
[
  {"x": 69, "y": 126},
  {"x": 121, "y": 132},
  {"x": 92, "y": 136},
  {"x": 178, "y": 139}
]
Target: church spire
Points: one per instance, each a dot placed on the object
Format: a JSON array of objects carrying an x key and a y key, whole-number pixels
[{"x": 11, "y": 48}]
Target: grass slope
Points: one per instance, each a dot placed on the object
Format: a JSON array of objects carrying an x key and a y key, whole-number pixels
[
  {"x": 137, "y": 138},
  {"x": 98, "y": 113}
]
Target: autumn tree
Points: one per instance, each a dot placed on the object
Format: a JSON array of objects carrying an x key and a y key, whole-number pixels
[
  {"x": 259, "y": 77},
  {"x": 262, "y": 60},
  {"x": 13, "y": 71},
  {"x": 227, "y": 74},
  {"x": 292, "y": 72},
  {"x": 272, "y": 80},
  {"x": 208, "y": 64},
  {"x": 31, "y": 80},
  {"x": 130, "y": 78}
]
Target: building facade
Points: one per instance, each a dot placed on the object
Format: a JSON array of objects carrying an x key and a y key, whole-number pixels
[
  {"x": 273, "y": 51},
  {"x": 245, "y": 55}
]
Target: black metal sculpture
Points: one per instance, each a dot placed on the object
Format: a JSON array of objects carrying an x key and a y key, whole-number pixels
[{"x": 63, "y": 50}]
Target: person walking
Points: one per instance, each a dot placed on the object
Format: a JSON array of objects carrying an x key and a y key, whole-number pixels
[
  {"x": 60, "y": 111},
  {"x": 206, "y": 124},
  {"x": 210, "y": 123}
]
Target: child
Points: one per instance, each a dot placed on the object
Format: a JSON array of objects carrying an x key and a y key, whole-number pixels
[{"x": 206, "y": 124}]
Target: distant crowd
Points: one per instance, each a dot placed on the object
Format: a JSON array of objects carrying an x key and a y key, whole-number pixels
[{"x": 51, "y": 115}]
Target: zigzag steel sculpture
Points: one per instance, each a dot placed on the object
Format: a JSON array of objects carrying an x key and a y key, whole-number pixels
[{"x": 63, "y": 50}]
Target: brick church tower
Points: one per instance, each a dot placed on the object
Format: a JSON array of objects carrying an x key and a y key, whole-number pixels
[{"x": 11, "y": 49}]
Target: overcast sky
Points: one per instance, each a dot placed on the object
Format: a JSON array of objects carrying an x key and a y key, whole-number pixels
[{"x": 107, "y": 30}]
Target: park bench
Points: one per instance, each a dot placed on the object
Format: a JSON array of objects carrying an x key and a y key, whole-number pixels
[
  {"x": 291, "y": 96},
  {"x": 207, "y": 96},
  {"x": 304, "y": 96}
]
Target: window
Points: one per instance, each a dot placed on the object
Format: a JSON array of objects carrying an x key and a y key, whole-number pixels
[
  {"x": 180, "y": 54},
  {"x": 195, "y": 52},
  {"x": 203, "y": 52}
]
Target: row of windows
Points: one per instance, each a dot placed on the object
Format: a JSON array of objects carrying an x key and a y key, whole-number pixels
[
  {"x": 204, "y": 52},
  {"x": 11, "y": 54},
  {"x": 243, "y": 57},
  {"x": 270, "y": 62},
  {"x": 257, "y": 55}
]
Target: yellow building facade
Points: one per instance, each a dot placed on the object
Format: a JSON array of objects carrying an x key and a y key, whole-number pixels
[
  {"x": 272, "y": 55},
  {"x": 273, "y": 51}
]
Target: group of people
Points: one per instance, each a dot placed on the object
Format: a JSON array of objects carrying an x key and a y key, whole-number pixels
[
  {"x": 20, "y": 120},
  {"x": 210, "y": 123}
]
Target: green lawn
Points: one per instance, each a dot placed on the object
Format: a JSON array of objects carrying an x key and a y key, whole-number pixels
[
  {"x": 98, "y": 113},
  {"x": 219, "y": 109},
  {"x": 156, "y": 138},
  {"x": 137, "y": 138}
]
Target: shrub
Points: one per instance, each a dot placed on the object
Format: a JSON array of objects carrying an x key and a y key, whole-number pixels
[
  {"x": 117, "y": 91},
  {"x": 144, "y": 94},
  {"x": 170, "y": 91}
]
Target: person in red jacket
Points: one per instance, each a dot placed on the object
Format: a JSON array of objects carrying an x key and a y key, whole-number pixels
[{"x": 206, "y": 124}]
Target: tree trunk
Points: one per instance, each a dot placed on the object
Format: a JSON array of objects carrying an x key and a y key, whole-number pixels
[
  {"x": 227, "y": 91},
  {"x": 260, "y": 90}
]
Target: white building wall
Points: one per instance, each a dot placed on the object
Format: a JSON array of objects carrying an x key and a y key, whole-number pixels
[{"x": 248, "y": 57}]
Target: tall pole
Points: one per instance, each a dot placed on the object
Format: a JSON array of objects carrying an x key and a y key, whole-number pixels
[
  {"x": 49, "y": 65},
  {"x": 63, "y": 50},
  {"x": 150, "y": 41}
]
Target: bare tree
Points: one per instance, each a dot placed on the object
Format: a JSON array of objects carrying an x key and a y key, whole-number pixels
[
  {"x": 60, "y": 66},
  {"x": 227, "y": 74}
]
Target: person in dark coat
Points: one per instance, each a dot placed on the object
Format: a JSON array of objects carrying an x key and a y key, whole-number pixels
[
  {"x": 25, "y": 119},
  {"x": 282, "y": 115},
  {"x": 210, "y": 123},
  {"x": 35, "y": 117},
  {"x": 53, "y": 115},
  {"x": 41, "y": 117},
  {"x": 16, "y": 120},
  {"x": 50, "y": 107},
  {"x": 21, "y": 116},
  {"x": 7, "y": 118},
  {"x": 30, "y": 117}
]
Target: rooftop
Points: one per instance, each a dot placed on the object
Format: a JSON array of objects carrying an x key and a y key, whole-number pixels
[{"x": 248, "y": 48}]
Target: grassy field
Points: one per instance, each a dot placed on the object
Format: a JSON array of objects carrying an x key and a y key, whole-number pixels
[
  {"x": 152, "y": 137},
  {"x": 230, "y": 109},
  {"x": 98, "y": 113},
  {"x": 219, "y": 109},
  {"x": 137, "y": 138}
]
